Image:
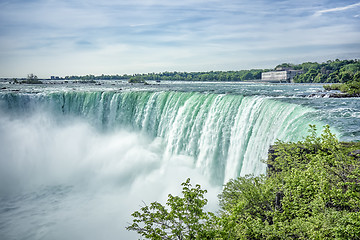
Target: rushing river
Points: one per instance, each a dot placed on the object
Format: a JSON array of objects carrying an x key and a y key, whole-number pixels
[{"x": 77, "y": 159}]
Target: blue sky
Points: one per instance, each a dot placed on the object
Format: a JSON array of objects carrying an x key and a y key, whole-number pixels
[{"x": 68, "y": 37}]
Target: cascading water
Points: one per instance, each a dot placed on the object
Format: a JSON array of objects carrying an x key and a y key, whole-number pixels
[
  {"x": 226, "y": 136},
  {"x": 76, "y": 164}
]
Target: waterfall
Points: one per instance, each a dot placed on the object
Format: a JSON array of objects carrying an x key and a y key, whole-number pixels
[{"x": 225, "y": 136}]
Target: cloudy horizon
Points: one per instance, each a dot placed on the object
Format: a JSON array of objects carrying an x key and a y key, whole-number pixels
[{"x": 50, "y": 37}]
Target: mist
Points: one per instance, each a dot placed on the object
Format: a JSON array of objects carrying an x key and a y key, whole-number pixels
[
  {"x": 69, "y": 180},
  {"x": 75, "y": 165}
]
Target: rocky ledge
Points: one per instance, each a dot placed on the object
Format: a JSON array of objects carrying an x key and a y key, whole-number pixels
[{"x": 334, "y": 95}]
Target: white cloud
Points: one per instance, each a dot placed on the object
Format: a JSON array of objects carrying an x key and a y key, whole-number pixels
[{"x": 337, "y": 9}]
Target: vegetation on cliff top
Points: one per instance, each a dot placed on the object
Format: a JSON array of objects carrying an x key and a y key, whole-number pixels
[{"x": 312, "y": 191}]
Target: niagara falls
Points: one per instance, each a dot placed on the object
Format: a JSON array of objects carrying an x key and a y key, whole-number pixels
[
  {"x": 179, "y": 120},
  {"x": 77, "y": 159}
]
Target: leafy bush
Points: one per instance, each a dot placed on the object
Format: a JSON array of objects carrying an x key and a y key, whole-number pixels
[
  {"x": 185, "y": 218},
  {"x": 311, "y": 191},
  {"x": 330, "y": 72},
  {"x": 136, "y": 79},
  {"x": 352, "y": 87},
  {"x": 332, "y": 87}
]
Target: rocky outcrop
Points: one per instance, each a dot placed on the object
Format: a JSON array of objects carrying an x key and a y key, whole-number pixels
[
  {"x": 334, "y": 95},
  {"x": 343, "y": 95}
]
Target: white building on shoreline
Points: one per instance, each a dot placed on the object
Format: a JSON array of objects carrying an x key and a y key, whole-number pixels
[{"x": 280, "y": 75}]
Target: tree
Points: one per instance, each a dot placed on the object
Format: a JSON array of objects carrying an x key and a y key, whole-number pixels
[
  {"x": 312, "y": 191},
  {"x": 248, "y": 76},
  {"x": 136, "y": 79},
  {"x": 345, "y": 77},
  {"x": 246, "y": 204},
  {"x": 319, "y": 78},
  {"x": 32, "y": 79},
  {"x": 185, "y": 218},
  {"x": 333, "y": 77}
]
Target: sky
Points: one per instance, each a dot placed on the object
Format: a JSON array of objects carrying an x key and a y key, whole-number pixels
[{"x": 80, "y": 37}]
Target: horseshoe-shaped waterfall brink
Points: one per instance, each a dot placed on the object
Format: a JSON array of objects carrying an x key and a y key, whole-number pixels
[{"x": 77, "y": 163}]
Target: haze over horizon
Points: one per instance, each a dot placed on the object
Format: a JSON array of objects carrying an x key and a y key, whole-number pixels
[{"x": 50, "y": 37}]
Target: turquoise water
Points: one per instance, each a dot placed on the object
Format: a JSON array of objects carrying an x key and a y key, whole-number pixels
[{"x": 77, "y": 159}]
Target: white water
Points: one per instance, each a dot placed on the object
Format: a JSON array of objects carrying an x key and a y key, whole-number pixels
[
  {"x": 76, "y": 165},
  {"x": 72, "y": 182}
]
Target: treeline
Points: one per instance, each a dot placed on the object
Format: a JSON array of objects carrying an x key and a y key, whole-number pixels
[
  {"x": 241, "y": 75},
  {"x": 312, "y": 191},
  {"x": 90, "y": 77},
  {"x": 338, "y": 71}
]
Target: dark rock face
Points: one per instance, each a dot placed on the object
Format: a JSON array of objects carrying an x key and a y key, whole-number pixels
[
  {"x": 343, "y": 95},
  {"x": 334, "y": 95}
]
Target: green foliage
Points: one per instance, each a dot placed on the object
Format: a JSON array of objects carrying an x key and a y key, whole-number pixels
[
  {"x": 183, "y": 219},
  {"x": 331, "y": 72},
  {"x": 336, "y": 71},
  {"x": 136, "y": 79},
  {"x": 285, "y": 65},
  {"x": 317, "y": 187},
  {"x": 332, "y": 87},
  {"x": 241, "y": 75},
  {"x": 311, "y": 191},
  {"x": 352, "y": 87},
  {"x": 244, "y": 203}
]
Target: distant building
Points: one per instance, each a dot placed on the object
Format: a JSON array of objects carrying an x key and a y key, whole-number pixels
[
  {"x": 54, "y": 78},
  {"x": 280, "y": 75}
]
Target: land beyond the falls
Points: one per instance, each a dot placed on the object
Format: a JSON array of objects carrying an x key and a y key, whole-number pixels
[
  {"x": 331, "y": 71},
  {"x": 340, "y": 75}
]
